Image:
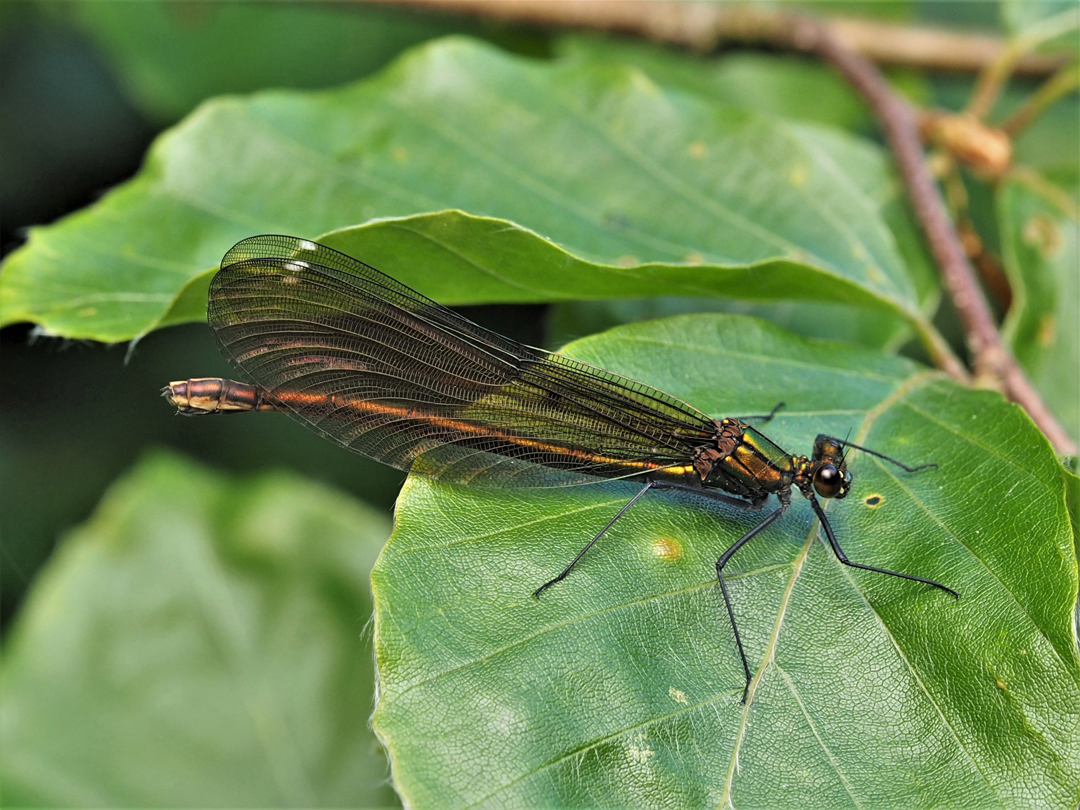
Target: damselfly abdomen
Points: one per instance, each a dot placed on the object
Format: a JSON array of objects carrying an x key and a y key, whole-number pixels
[{"x": 378, "y": 368}]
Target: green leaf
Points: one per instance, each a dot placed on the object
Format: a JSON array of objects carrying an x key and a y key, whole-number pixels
[
  {"x": 791, "y": 88},
  {"x": 787, "y": 86},
  {"x": 1072, "y": 498},
  {"x": 621, "y": 685},
  {"x": 1041, "y": 252},
  {"x": 199, "y": 642},
  {"x": 659, "y": 192},
  {"x": 171, "y": 56},
  {"x": 821, "y": 319},
  {"x": 816, "y": 319}
]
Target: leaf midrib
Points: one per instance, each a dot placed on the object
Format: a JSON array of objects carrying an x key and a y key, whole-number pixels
[{"x": 896, "y": 396}]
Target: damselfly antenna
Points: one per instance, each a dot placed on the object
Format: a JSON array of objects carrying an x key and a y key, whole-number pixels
[{"x": 891, "y": 460}]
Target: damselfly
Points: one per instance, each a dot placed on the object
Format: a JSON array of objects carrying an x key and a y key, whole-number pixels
[{"x": 381, "y": 370}]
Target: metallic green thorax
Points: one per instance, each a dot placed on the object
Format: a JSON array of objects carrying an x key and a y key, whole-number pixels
[{"x": 744, "y": 462}]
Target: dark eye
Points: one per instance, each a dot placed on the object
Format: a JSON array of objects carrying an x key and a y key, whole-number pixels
[{"x": 827, "y": 480}]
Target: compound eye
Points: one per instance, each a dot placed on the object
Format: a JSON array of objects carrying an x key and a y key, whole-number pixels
[{"x": 827, "y": 481}]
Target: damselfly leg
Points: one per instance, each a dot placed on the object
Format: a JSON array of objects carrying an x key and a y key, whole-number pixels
[
  {"x": 651, "y": 485},
  {"x": 727, "y": 555},
  {"x": 763, "y": 417},
  {"x": 591, "y": 543},
  {"x": 842, "y": 557},
  {"x": 837, "y": 550}
]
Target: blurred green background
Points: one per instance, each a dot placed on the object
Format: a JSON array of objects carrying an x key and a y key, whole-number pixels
[{"x": 84, "y": 88}]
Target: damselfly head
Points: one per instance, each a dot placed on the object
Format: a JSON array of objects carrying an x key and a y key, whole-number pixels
[{"x": 828, "y": 469}]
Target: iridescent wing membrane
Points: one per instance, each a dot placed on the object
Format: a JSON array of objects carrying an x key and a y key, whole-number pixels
[{"x": 383, "y": 371}]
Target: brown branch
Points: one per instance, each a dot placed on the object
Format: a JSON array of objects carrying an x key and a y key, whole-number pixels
[
  {"x": 934, "y": 48},
  {"x": 704, "y": 25}
]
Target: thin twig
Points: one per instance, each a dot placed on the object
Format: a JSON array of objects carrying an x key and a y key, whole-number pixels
[
  {"x": 926, "y": 48},
  {"x": 991, "y": 82},
  {"x": 997, "y": 72},
  {"x": 1064, "y": 81},
  {"x": 704, "y": 25}
]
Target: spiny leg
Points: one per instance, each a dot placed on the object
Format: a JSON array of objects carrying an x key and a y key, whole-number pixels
[
  {"x": 610, "y": 523},
  {"x": 842, "y": 557},
  {"x": 727, "y": 555}
]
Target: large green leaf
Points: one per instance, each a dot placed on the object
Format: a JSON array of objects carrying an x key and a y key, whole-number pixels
[
  {"x": 1041, "y": 252},
  {"x": 658, "y": 191},
  {"x": 793, "y": 88},
  {"x": 200, "y": 642},
  {"x": 621, "y": 685}
]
